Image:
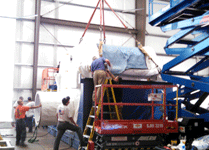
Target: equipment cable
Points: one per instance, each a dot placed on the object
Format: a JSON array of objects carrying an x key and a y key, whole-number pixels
[
  {"x": 33, "y": 138},
  {"x": 54, "y": 37}
]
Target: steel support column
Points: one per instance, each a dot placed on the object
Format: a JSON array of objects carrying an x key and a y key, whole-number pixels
[
  {"x": 140, "y": 20},
  {"x": 36, "y": 45}
]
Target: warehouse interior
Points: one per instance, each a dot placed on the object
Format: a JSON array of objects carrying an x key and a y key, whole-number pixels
[{"x": 41, "y": 34}]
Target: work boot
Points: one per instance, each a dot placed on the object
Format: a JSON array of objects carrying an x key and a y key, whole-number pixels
[
  {"x": 17, "y": 143},
  {"x": 23, "y": 144}
]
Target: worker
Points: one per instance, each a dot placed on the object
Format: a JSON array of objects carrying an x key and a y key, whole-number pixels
[
  {"x": 16, "y": 104},
  {"x": 99, "y": 74},
  {"x": 20, "y": 111},
  {"x": 66, "y": 122},
  {"x": 30, "y": 115}
]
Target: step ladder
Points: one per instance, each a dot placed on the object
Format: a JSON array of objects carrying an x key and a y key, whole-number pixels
[{"x": 90, "y": 121}]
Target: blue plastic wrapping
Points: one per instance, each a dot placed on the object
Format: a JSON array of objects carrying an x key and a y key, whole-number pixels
[{"x": 123, "y": 58}]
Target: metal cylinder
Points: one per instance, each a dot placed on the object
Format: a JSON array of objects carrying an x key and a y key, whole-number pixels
[{"x": 46, "y": 115}]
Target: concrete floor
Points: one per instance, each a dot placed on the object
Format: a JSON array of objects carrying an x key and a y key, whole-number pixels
[{"x": 45, "y": 140}]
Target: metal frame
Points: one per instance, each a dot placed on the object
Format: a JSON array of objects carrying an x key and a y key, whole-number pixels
[
  {"x": 168, "y": 14},
  {"x": 195, "y": 24},
  {"x": 141, "y": 21},
  {"x": 151, "y": 126},
  {"x": 36, "y": 45}
]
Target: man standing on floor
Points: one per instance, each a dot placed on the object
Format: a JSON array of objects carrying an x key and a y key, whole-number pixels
[
  {"x": 99, "y": 74},
  {"x": 65, "y": 122},
  {"x": 14, "y": 106},
  {"x": 20, "y": 111},
  {"x": 30, "y": 114}
]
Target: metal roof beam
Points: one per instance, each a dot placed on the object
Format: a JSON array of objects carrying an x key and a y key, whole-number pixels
[{"x": 82, "y": 25}]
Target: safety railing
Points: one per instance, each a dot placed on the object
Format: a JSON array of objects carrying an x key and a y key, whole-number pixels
[
  {"x": 156, "y": 100},
  {"x": 48, "y": 79}
]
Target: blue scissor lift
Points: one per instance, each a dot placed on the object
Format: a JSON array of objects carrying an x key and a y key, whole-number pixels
[{"x": 188, "y": 17}]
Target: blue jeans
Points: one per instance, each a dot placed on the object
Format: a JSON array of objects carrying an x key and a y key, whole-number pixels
[
  {"x": 61, "y": 128},
  {"x": 20, "y": 131},
  {"x": 29, "y": 121}
]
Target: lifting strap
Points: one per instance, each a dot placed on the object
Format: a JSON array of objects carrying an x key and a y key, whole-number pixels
[{"x": 146, "y": 54}]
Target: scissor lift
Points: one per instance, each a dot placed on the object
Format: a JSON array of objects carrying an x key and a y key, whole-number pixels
[
  {"x": 190, "y": 17},
  {"x": 135, "y": 133}
]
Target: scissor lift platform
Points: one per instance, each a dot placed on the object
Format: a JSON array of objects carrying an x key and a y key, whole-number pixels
[{"x": 181, "y": 10}]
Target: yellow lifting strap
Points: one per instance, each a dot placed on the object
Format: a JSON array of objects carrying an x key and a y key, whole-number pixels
[
  {"x": 100, "y": 49},
  {"x": 145, "y": 53},
  {"x": 91, "y": 115}
]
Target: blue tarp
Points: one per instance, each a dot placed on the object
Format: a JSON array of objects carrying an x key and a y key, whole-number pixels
[{"x": 123, "y": 58}]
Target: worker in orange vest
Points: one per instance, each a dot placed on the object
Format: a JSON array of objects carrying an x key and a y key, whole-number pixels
[{"x": 20, "y": 111}]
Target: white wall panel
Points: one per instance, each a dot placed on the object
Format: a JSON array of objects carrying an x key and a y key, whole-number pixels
[
  {"x": 81, "y": 14},
  {"x": 29, "y": 8},
  {"x": 17, "y": 72},
  {"x": 120, "y": 39},
  {"x": 166, "y": 59},
  {"x": 74, "y": 13},
  {"x": 27, "y": 32},
  {"x": 46, "y": 55},
  {"x": 26, "y": 77},
  {"x": 115, "y": 4},
  {"x": 157, "y": 43},
  {"x": 128, "y": 4},
  {"x": 69, "y": 36},
  {"x": 7, "y": 46},
  {"x": 46, "y": 34},
  {"x": 83, "y": 2},
  {"x": 48, "y": 9},
  {"x": 26, "y": 54},
  {"x": 61, "y": 52}
]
